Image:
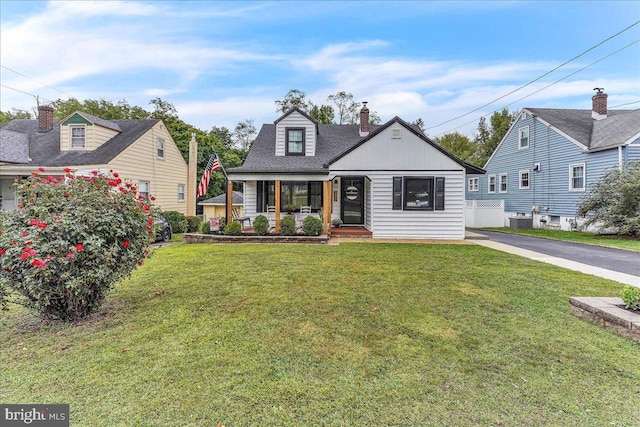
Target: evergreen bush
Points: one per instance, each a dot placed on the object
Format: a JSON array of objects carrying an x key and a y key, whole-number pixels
[
  {"x": 193, "y": 224},
  {"x": 311, "y": 226},
  {"x": 261, "y": 225},
  {"x": 178, "y": 221},
  {"x": 233, "y": 229},
  {"x": 288, "y": 226}
]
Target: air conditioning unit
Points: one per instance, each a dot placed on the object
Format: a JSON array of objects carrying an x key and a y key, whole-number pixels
[{"x": 536, "y": 167}]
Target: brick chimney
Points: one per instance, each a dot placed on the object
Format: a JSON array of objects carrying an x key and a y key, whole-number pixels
[
  {"x": 45, "y": 118},
  {"x": 599, "y": 101},
  {"x": 364, "y": 120}
]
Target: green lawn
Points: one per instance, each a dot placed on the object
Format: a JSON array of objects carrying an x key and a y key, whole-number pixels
[
  {"x": 348, "y": 335},
  {"x": 620, "y": 242}
]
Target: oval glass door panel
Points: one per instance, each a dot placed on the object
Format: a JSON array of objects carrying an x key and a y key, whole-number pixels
[{"x": 352, "y": 203}]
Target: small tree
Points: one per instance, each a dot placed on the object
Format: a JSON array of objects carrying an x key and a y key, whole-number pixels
[
  {"x": 614, "y": 201},
  {"x": 69, "y": 242}
]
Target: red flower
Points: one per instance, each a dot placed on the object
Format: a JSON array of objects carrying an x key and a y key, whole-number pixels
[
  {"x": 41, "y": 169},
  {"x": 42, "y": 225},
  {"x": 25, "y": 234},
  {"x": 34, "y": 222},
  {"x": 38, "y": 263},
  {"x": 65, "y": 195},
  {"x": 69, "y": 255},
  {"x": 2, "y": 251},
  {"x": 115, "y": 174},
  {"x": 67, "y": 170},
  {"x": 126, "y": 243},
  {"x": 94, "y": 172},
  {"x": 79, "y": 247},
  {"x": 146, "y": 207},
  {"x": 34, "y": 173},
  {"x": 152, "y": 198}
]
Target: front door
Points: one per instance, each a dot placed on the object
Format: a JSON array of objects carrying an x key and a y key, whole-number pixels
[{"x": 352, "y": 204}]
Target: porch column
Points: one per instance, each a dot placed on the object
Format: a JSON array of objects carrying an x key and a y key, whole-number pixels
[
  {"x": 229, "y": 201},
  {"x": 277, "y": 206},
  {"x": 327, "y": 208}
]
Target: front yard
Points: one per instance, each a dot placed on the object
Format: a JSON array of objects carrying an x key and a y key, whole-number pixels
[{"x": 355, "y": 334}]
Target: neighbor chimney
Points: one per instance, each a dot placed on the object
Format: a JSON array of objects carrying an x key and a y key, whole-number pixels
[
  {"x": 599, "y": 101},
  {"x": 45, "y": 118},
  {"x": 364, "y": 120}
]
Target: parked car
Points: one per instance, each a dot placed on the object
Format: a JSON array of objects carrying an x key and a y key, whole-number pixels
[{"x": 163, "y": 228}]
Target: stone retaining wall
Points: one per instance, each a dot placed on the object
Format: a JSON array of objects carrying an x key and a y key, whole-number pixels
[{"x": 609, "y": 313}]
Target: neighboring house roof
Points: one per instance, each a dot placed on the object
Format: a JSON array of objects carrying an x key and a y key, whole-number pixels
[
  {"x": 333, "y": 142},
  {"x": 110, "y": 124},
  {"x": 14, "y": 147},
  {"x": 44, "y": 147},
  {"x": 238, "y": 199},
  {"x": 620, "y": 127}
]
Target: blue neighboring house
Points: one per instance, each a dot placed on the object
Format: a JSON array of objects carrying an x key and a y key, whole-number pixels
[{"x": 549, "y": 159}]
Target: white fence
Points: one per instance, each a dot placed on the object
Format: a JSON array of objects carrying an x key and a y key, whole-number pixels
[{"x": 484, "y": 213}]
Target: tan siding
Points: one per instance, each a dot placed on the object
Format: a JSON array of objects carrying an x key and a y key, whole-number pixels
[
  {"x": 139, "y": 162},
  {"x": 95, "y": 136},
  {"x": 296, "y": 120}
]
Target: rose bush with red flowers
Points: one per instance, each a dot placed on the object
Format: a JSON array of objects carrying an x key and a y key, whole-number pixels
[{"x": 69, "y": 242}]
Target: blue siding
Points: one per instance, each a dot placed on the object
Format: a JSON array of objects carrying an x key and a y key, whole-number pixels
[{"x": 549, "y": 187}]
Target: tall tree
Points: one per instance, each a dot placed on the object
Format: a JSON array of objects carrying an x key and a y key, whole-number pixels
[
  {"x": 420, "y": 123},
  {"x": 294, "y": 98},
  {"x": 100, "y": 108},
  {"x": 347, "y": 108},
  {"x": 244, "y": 134},
  {"x": 224, "y": 135},
  {"x": 323, "y": 114},
  {"x": 457, "y": 144}
]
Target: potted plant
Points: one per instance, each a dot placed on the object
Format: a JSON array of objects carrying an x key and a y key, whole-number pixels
[
  {"x": 336, "y": 222},
  {"x": 289, "y": 208}
]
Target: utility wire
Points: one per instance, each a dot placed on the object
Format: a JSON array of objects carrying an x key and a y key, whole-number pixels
[
  {"x": 623, "y": 105},
  {"x": 546, "y": 87},
  {"x": 536, "y": 79},
  {"x": 26, "y": 93},
  {"x": 39, "y": 82}
]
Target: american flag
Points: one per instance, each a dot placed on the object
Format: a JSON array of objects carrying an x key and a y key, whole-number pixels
[{"x": 212, "y": 165}]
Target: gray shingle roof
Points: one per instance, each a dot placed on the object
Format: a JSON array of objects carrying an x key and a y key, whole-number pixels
[
  {"x": 614, "y": 130},
  {"x": 109, "y": 124},
  {"x": 14, "y": 147},
  {"x": 44, "y": 147},
  {"x": 238, "y": 199}
]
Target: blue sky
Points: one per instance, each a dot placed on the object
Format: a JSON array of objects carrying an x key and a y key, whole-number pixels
[{"x": 222, "y": 62}]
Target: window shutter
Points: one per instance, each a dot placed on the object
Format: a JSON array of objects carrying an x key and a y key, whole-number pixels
[
  {"x": 439, "y": 202},
  {"x": 260, "y": 197},
  {"x": 397, "y": 193}
]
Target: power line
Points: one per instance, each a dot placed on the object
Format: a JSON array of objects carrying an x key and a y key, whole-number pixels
[
  {"x": 623, "y": 105},
  {"x": 26, "y": 93},
  {"x": 39, "y": 82},
  {"x": 536, "y": 79},
  {"x": 546, "y": 87}
]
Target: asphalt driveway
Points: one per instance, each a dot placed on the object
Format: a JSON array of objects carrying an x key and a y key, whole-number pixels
[{"x": 622, "y": 261}]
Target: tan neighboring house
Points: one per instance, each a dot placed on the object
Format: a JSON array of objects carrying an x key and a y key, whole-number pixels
[
  {"x": 141, "y": 151},
  {"x": 215, "y": 207}
]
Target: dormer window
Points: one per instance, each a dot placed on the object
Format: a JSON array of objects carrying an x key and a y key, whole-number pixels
[
  {"x": 78, "y": 139},
  {"x": 295, "y": 142}
]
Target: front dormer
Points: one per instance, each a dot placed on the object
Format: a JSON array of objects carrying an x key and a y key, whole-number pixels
[
  {"x": 84, "y": 132},
  {"x": 296, "y": 134}
]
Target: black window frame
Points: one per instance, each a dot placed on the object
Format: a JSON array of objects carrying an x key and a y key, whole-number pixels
[
  {"x": 436, "y": 193},
  {"x": 265, "y": 194},
  {"x": 287, "y": 141}
]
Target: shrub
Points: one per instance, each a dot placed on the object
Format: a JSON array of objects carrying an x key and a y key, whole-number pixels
[
  {"x": 311, "y": 226},
  {"x": 288, "y": 226},
  {"x": 336, "y": 222},
  {"x": 614, "y": 201},
  {"x": 233, "y": 229},
  {"x": 68, "y": 243},
  {"x": 205, "y": 228},
  {"x": 178, "y": 221},
  {"x": 261, "y": 225},
  {"x": 631, "y": 297},
  {"x": 193, "y": 224}
]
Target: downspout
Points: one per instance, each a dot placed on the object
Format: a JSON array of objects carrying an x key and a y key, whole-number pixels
[{"x": 620, "y": 162}]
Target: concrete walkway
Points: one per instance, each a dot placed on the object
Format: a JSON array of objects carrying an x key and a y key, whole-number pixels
[{"x": 627, "y": 279}]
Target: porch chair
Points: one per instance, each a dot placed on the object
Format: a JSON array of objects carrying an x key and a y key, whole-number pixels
[
  {"x": 240, "y": 219},
  {"x": 305, "y": 211},
  {"x": 271, "y": 215}
]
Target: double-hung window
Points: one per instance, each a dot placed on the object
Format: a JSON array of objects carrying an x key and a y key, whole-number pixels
[
  {"x": 473, "y": 184},
  {"x": 143, "y": 189},
  {"x": 491, "y": 184},
  {"x": 181, "y": 192},
  {"x": 78, "y": 139},
  {"x": 524, "y": 180},
  {"x": 577, "y": 176},
  {"x": 295, "y": 142},
  {"x": 503, "y": 182},
  {"x": 523, "y": 137},
  {"x": 160, "y": 146}
]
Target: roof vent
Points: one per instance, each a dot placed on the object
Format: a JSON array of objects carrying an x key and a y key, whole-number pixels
[{"x": 396, "y": 133}]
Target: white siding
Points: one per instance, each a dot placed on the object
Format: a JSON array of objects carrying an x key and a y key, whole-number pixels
[
  {"x": 296, "y": 120},
  {"x": 407, "y": 153},
  {"x": 250, "y": 199}
]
